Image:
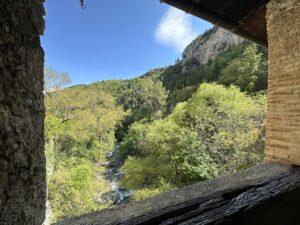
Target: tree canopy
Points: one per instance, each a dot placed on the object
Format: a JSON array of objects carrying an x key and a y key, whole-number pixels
[
  {"x": 173, "y": 126},
  {"x": 217, "y": 131}
]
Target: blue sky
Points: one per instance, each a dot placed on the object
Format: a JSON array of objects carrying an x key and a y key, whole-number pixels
[{"x": 115, "y": 39}]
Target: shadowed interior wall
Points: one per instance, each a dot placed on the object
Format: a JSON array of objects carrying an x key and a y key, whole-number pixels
[
  {"x": 283, "y": 118},
  {"x": 22, "y": 160}
]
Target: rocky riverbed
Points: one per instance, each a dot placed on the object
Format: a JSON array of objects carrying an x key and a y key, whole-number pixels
[{"x": 118, "y": 195}]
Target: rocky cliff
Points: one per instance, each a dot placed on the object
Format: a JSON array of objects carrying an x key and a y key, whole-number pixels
[{"x": 210, "y": 44}]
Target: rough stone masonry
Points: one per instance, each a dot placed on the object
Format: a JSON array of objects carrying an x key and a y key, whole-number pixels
[
  {"x": 22, "y": 160},
  {"x": 283, "y": 117}
]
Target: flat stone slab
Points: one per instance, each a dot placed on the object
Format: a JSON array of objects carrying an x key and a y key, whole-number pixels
[{"x": 250, "y": 197}]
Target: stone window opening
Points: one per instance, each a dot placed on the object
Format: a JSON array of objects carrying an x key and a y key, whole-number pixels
[{"x": 266, "y": 194}]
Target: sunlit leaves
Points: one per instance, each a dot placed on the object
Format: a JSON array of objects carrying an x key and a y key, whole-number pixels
[
  {"x": 218, "y": 131},
  {"x": 243, "y": 71},
  {"x": 79, "y": 129}
]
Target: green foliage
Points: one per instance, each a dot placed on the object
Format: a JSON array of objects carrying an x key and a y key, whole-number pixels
[
  {"x": 81, "y": 116},
  {"x": 53, "y": 127},
  {"x": 145, "y": 193},
  {"x": 114, "y": 87},
  {"x": 192, "y": 132},
  {"x": 144, "y": 97},
  {"x": 142, "y": 172},
  {"x": 181, "y": 95},
  {"x": 185, "y": 93},
  {"x": 243, "y": 71},
  {"x": 80, "y": 129},
  {"x": 171, "y": 153},
  {"x": 148, "y": 192},
  {"x": 72, "y": 190},
  {"x": 244, "y": 65},
  {"x": 229, "y": 122},
  {"x": 134, "y": 141},
  {"x": 218, "y": 131},
  {"x": 69, "y": 191}
]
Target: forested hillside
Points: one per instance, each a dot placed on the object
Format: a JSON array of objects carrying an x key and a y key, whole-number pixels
[
  {"x": 244, "y": 65},
  {"x": 171, "y": 127}
]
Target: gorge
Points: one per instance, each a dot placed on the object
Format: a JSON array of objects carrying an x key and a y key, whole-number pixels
[{"x": 117, "y": 141}]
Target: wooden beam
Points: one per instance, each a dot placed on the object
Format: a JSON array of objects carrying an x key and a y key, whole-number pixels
[{"x": 223, "y": 21}]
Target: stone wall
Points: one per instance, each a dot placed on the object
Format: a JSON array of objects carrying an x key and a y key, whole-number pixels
[
  {"x": 283, "y": 118},
  {"x": 22, "y": 160}
]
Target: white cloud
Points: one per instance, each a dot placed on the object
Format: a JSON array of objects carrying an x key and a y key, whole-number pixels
[{"x": 175, "y": 29}]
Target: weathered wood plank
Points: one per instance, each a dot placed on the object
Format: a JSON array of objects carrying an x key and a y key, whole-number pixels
[{"x": 221, "y": 206}]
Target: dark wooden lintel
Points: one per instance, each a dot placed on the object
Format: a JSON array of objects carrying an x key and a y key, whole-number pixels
[{"x": 218, "y": 17}]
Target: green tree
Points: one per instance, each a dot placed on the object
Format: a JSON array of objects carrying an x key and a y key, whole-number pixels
[
  {"x": 229, "y": 123},
  {"x": 218, "y": 131},
  {"x": 72, "y": 191},
  {"x": 79, "y": 129},
  {"x": 144, "y": 97},
  {"x": 243, "y": 71},
  {"x": 134, "y": 141}
]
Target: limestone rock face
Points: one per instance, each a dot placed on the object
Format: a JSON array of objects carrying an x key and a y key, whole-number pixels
[{"x": 209, "y": 45}]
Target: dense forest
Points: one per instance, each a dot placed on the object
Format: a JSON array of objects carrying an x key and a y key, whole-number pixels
[{"x": 172, "y": 127}]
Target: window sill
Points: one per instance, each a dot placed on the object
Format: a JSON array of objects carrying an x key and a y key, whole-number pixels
[{"x": 262, "y": 195}]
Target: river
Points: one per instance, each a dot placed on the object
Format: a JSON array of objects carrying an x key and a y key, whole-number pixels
[{"x": 118, "y": 195}]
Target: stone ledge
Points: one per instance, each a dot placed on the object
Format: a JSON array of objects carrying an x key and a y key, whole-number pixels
[{"x": 218, "y": 201}]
